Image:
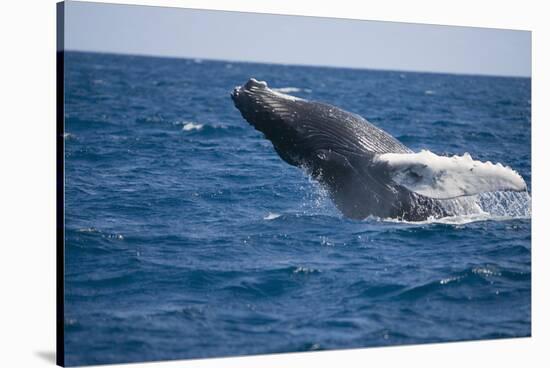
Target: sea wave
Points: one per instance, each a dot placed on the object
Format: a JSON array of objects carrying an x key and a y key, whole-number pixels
[{"x": 486, "y": 277}]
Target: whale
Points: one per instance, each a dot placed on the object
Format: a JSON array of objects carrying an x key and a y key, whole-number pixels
[{"x": 343, "y": 152}]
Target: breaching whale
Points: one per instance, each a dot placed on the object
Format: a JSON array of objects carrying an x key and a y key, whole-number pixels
[{"x": 350, "y": 156}]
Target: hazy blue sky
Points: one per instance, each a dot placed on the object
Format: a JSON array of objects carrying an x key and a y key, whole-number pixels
[{"x": 295, "y": 40}]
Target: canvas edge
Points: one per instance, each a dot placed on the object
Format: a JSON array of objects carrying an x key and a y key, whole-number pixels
[{"x": 60, "y": 185}]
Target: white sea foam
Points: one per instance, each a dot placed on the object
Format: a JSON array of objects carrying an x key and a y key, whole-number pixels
[
  {"x": 189, "y": 125},
  {"x": 287, "y": 89},
  {"x": 305, "y": 270},
  {"x": 272, "y": 216},
  {"x": 88, "y": 230},
  {"x": 444, "y": 177}
]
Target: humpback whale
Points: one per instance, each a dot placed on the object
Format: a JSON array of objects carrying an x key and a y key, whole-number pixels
[{"x": 348, "y": 155}]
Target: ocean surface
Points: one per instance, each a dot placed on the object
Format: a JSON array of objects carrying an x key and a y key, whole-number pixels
[{"x": 188, "y": 237}]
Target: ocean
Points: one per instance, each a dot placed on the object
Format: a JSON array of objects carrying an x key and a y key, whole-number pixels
[{"x": 186, "y": 236}]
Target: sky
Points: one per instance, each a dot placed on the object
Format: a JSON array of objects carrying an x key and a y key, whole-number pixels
[{"x": 235, "y": 36}]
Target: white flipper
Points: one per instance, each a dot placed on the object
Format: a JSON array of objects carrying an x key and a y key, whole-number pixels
[{"x": 442, "y": 177}]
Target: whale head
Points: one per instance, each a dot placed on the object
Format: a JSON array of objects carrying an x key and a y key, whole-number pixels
[{"x": 276, "y": 115}]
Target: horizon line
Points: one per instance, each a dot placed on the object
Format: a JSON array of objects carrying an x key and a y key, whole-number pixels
[{"x": 297, "y": 64}]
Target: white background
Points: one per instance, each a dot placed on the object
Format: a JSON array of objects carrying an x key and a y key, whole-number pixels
[{"x": 27, "y": 154}]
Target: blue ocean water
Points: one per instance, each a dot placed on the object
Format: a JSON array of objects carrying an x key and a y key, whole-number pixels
[{"x": 188, "y": 237}]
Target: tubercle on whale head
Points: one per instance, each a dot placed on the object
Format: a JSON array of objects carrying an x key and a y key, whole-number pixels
[
  {"x": 248, "y": 87},
  {"x": 253, "y": 83}
]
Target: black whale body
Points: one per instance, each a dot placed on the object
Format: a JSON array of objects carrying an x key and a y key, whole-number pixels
[{"x": 338, "y": 149}]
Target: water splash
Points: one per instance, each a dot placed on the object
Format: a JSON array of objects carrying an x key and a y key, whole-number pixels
[{"x": 495, "y": 206}]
